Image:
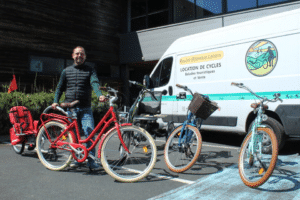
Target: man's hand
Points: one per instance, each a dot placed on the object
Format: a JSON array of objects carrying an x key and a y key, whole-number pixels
[
  {"x": 102, "y": 98},
  {"x": 54, "y": 106}
]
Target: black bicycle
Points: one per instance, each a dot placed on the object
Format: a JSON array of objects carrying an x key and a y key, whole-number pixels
[{"x": 145, "y": 112}]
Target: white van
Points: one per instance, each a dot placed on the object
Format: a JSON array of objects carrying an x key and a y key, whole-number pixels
[{"x": 263, "y": 54}]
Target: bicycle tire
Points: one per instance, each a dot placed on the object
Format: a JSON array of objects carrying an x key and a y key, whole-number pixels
[
  {"x": 178, "y": 162},
  {"x": 19, "y": 148},
  {"x": 257, "y": 174},
  {"x": 61, "y": 158},
  {"x": 126, "y": 167}
]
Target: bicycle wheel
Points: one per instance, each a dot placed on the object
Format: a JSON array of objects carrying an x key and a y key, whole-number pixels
[
  {"x": 256, "y": 168},
  {"x": 53, "y": 158},
  {"x": 124, "y": 166},
  {"x": 181, "y": 157},
  {"x": 19, "y": 148}
]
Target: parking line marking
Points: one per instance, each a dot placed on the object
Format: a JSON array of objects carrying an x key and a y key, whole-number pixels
[
  {"x": 172, "y": 178},
  {"x": 162, "y": 176},
  {"x": 219, "y": 146}
]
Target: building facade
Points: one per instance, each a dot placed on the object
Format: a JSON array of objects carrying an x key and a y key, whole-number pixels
[
  {"x": 124, "y": 39},
  {"x": 37, "y": 38},
  {"x": 152, "y": 26}
]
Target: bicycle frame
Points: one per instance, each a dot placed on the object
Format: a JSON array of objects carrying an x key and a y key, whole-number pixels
[
  {"x": 106, "y": 121},
  {"x": 133, "y": 109},
  {"x": 191, "y": 120},
  {"x": 256, "y": 124},
  {"x": 259, "y": 118}
]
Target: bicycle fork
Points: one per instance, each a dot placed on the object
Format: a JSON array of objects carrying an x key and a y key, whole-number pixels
[{"x": 255, "y": 145}]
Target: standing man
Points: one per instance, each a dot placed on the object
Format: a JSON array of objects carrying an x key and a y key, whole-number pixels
[{"x": 77, "y": 81}]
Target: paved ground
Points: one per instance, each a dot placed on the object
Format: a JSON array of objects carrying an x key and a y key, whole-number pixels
[
  {"x": 214, "y": 176},
  {"x": 283, "y": 184}
]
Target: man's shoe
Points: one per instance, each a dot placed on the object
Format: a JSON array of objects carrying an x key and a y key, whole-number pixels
[{"x": 92, "y": 165}]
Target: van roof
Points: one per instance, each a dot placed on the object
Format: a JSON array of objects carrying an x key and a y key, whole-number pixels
[{"x": 236, "y": 33}]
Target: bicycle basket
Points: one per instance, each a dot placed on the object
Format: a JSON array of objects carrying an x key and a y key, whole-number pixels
[
  {"x": 202, "y": 107},
  {"x": 149, "y": 105}
]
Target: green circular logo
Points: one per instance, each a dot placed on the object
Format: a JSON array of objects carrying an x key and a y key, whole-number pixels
[{"x": 261, "y": 58}]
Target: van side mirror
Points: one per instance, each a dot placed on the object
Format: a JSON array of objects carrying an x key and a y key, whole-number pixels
[
  {"x": 164, "y": 92},
  {"x": 146, "y": 81}
]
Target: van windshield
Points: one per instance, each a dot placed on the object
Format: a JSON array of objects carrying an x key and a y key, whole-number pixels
[{"x": 162, "y": 73}]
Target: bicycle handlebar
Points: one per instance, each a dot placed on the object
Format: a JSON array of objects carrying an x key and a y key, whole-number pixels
[
  {"x": 144, "y": 88},
  {"x": 57, "y": 108},
  {"x": 185, "y": 88},
  {"x": 276, "y": 95}
]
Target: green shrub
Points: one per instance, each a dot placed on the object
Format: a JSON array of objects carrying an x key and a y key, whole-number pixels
[{"x": 36, "y": 103}]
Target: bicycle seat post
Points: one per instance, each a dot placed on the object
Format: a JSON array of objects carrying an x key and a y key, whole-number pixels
[{"x": 73, "y": 114}]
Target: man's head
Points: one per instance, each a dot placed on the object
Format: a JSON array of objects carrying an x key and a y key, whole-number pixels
[{"x": 79, "y": 55}]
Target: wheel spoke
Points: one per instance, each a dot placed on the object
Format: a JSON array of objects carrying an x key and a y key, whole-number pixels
[
  {"x": 255, "y": 169},
  {"x": 181, "y": 156},
  {"x": 133, "y": 166},
  {"x": 53, "y": 158}
]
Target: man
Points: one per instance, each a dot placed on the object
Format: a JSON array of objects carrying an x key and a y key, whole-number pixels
[{"x": 77, "y": 81}]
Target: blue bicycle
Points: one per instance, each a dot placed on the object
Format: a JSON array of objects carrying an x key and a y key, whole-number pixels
[{"x": 184, "y": 143}]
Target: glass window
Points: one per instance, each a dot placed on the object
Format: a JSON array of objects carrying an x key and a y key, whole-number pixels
[
  {"x": 157, "y": 5},
  {"x": 138, "y": 24},
  {"x": 155, "y": 77},
  {"x": 166, "y": 71},
  {"x": 162, "y": 74},
  {"x": 207, "y": 8},
  {"x": 158, "y": 19},
  {"x": 46, "y": 65},
  {"x": 234, "y": 5},
  {"x": 267, "y": 2},
  {"x": 184, "y": 10},
  {"x": 138, "y": 8}
]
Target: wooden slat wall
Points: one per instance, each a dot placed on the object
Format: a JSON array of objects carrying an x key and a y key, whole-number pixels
[{"x": 53, "y": 28}]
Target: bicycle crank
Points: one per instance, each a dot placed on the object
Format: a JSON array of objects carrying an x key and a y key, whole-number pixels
[{"x": 79, "y": 152}]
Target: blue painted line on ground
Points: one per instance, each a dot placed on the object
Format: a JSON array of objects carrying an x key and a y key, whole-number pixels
[{"x": 283, "y": 184}]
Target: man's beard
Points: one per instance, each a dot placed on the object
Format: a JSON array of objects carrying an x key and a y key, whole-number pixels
[{"x": 79, "y": 61}]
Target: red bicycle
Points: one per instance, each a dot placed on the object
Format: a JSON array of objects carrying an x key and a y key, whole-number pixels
[{"x": 127, "y": 153}]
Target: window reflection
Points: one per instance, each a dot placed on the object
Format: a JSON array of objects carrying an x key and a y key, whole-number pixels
[
  {"x": 234, "y": 5},
  {"x": 157, "y": 5},
  {"x": 207, "y": 8},
  {"x": 162, "y": 73},
  {"x": 267, "y": 2},
  {"x": 138, "y": 8},
  {"x": 184, "y": 10},
  {"x": 153, "y": 13},
  {"x": 158, "y": 19}
]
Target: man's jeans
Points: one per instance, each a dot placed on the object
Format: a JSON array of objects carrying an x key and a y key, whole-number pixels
[{"x": 86, "y": 125}]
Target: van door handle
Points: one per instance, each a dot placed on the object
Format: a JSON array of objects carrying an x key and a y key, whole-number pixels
[{"x": 170, "y": 90}]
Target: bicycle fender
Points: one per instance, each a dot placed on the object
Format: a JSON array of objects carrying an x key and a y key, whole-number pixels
[
  {"x": 107, "y": 133},
  {"x": 262, "y": 126},
  {"x": 191, "y": 124}
]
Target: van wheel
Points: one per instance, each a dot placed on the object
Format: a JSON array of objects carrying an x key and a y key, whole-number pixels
[{"x": 277, "y": 129}]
